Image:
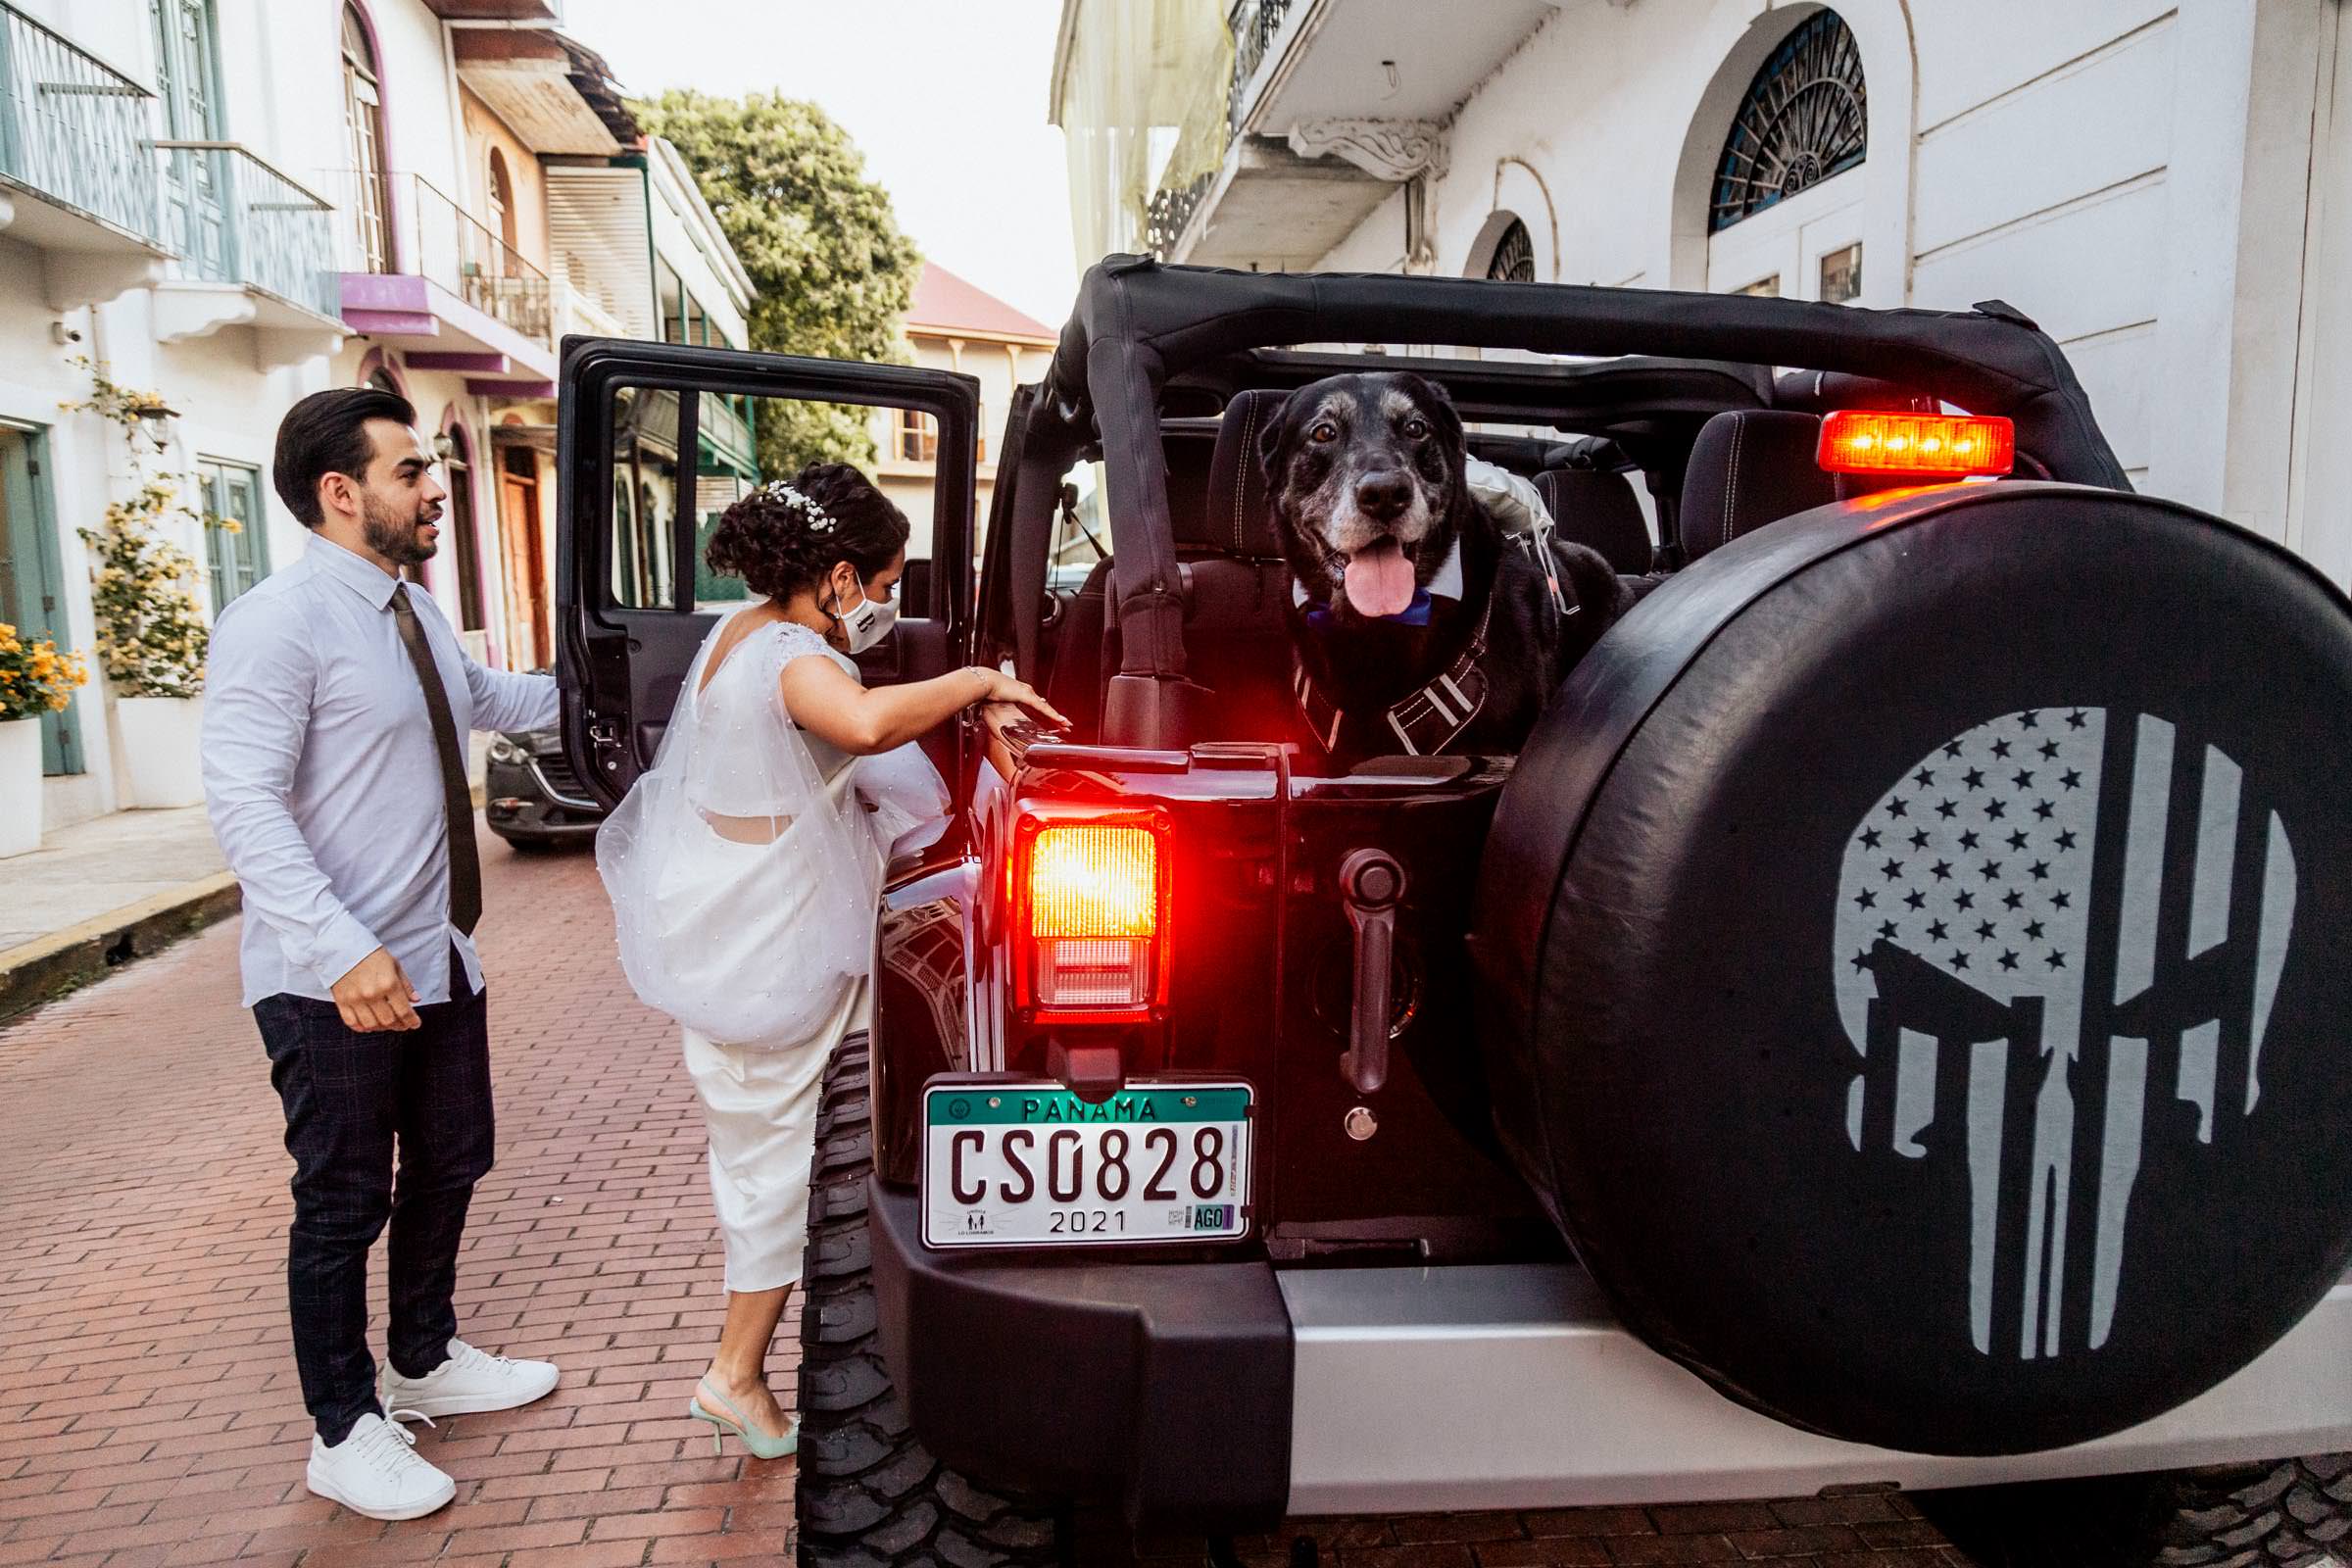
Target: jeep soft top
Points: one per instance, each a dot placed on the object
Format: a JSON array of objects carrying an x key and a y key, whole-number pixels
[{"x": 1882, "y": 1029}]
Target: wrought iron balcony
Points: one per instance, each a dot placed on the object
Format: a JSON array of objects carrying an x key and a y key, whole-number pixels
[
  {"x": 1253, "y": 24},
  {"x": 74, "y": 130},
  {"x": 402, "y": 226},
  {"x": 491, "y": 276},
  {"x": 231, "y": 217}
]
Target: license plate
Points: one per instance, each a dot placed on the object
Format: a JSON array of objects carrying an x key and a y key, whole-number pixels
[{"x": 1031, "y": 1164}]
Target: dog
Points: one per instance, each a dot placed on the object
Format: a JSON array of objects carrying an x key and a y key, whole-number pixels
[{"x": 1420, "y": 627}]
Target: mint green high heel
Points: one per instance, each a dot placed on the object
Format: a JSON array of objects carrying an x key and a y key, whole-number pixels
[{"x": 762, "y": 1446}]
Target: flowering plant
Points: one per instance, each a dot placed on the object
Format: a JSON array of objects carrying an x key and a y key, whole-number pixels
[
  {"x": 125, "y": 405},
  {"x": 34, "y": 677},
  {"x": 152, "y": 638}
]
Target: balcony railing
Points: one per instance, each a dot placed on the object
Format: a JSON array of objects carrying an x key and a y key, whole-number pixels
[
  {"x": 232, "y": 219},
  {"x": 1253, "y": 23},
  {"x": 74, "y": 128},
  {"x": 1170, "y": 210},
  {"x": 726, "y": 428},
  {"x": 577, "y": 311},
  {"x": 440, "y": 241}
]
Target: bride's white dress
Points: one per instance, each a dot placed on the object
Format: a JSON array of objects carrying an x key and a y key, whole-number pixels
[{"x": 743, "y": 868}]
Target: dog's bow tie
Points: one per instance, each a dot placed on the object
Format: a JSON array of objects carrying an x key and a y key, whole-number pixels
[{"x": 1417, "y": 614}]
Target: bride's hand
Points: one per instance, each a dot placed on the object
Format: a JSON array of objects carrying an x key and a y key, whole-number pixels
[{"x": 1003, "y": 688}]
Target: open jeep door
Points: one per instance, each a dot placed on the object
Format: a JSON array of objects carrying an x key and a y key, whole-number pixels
[{"x": 654, "y": 442}]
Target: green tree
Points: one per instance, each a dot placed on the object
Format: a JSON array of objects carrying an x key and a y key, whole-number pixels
[{"x": 833, "y": 271}]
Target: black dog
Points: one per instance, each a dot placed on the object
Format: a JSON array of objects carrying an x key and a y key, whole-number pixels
[{"x": 1420, "y": 627}]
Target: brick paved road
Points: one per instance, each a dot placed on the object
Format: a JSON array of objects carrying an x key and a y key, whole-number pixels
[{"x": 148, "y": 1407}]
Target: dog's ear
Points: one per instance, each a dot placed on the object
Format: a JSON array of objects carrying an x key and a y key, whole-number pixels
[{"x": 1269, "y": 442}]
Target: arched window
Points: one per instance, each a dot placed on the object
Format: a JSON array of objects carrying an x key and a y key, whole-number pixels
[
  {"x": 502, "y": 205},
  {"x": 1802, "y": 121},
  {"x": 1514, "y": 258},
  {"x": 458, "y": 477},
  {"x": 363, "y": 131}
]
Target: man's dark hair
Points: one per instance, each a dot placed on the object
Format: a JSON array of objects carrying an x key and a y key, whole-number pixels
[{"x": 326, "y": 433}]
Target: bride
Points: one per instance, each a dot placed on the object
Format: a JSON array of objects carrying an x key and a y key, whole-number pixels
[{"x": 744, "y": 865}]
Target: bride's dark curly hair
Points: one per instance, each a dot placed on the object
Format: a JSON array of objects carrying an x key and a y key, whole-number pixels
[{"x": 782, "y": 538}]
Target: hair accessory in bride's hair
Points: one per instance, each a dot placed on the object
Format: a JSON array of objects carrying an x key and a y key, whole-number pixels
[{"x": 820, "y": 522}]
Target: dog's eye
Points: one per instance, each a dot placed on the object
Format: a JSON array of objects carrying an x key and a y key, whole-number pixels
[
  {"x": 1324, "y": 432},
  {"x": 1416, "y": 427}
]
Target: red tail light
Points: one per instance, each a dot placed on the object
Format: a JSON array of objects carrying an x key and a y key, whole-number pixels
[
  {"x": 1091, "y": 907},
  {"x": 1934, "y": 446}
]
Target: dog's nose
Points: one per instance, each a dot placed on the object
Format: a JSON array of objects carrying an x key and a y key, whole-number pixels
[{"x": 1384, "y": 495}]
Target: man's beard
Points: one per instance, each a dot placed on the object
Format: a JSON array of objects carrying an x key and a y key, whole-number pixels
[{"x": 390, "y": 537}]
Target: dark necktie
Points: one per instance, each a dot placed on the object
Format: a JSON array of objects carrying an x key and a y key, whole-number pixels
[{"x": 456, "y": 799}]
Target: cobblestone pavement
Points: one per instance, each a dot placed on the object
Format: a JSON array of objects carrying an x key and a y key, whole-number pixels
[{"x": 149, "y": 1413}]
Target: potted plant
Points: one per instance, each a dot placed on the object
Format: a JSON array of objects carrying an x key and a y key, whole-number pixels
[
  {"x": 35, "y": 679},
  {"x": 152, "y": 641},
  {"x": 152, "y": 635}
]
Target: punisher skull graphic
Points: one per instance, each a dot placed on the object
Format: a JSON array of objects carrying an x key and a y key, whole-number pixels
[{"x": 2050, "y": 921}]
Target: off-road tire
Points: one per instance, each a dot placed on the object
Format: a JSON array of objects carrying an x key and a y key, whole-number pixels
[
  {"x": 868, "y": 1494},
  {"x": 2287, "y": 1513}
]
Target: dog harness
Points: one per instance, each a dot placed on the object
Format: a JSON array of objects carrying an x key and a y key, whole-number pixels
[{"x": 1425, "y": 721}]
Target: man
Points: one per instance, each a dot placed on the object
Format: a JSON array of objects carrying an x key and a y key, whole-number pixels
[{"x": 334, "y": 771}]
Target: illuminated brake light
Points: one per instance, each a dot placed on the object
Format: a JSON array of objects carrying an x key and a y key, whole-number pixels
[
  {"x": 1095, "y": 897},
  {"x": 1925, "y": 445}
]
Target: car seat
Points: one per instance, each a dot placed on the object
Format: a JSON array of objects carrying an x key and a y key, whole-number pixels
[
  {"x": 1237, "y": 647},
  {"x": 1750, "y": 467},
  {"x": 1597, "y": 508}
]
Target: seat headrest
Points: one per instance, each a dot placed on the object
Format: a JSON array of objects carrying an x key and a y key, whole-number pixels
[
  {"x": 1748, "y": 467},
  {"x": 1599, "y": 509},
  {"x": 1236, "y": 520}
]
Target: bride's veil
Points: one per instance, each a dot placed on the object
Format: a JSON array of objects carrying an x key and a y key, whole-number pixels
[{"x": 743, "y": 885}]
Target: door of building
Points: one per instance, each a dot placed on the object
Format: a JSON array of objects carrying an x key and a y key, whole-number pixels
[
  {"x": 237, "y": 551},
  {"x": 32, "y": 576},
  {"x": 525, "y": 555},
  {"x": 195, "y": 201},
  {"x": 364, "y": 128}
]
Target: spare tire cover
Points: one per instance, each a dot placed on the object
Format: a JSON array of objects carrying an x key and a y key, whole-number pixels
[{"x": 1915, "y": 947}]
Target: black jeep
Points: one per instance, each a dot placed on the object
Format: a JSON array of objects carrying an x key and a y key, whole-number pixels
[{"x": 1880, "y": 1029}]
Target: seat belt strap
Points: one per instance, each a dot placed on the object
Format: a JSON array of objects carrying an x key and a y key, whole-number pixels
[{"x": 1425, "y": 721}]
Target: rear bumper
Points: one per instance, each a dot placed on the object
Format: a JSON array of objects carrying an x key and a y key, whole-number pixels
[
  {"x": 1218, "y": 1397},
  {"x": 1515, "y": 1387},
  {"x": 1163, "y": 1389}
]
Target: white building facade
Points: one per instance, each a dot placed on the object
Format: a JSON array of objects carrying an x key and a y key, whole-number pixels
[
  {"x": 234, "y": 203},
  {"x": 2165, "y": 188}
]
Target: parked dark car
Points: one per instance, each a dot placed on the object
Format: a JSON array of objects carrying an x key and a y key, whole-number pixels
[{"x": 535, "y": 801}]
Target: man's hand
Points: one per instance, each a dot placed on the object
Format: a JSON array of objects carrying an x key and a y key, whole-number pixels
[{"x": 377, "y": 996}]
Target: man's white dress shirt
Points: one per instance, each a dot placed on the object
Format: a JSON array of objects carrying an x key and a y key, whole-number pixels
[{"x": 322, "y": 776}]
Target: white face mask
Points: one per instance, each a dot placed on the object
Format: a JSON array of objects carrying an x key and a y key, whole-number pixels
[{"x": 866, "y": 622}]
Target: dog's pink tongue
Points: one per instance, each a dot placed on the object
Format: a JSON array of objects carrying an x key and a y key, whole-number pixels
[{"x": 1380, "y": 579}]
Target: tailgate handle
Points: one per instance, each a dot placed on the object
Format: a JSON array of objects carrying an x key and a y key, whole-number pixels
[{"x": 1371, "y": 883}]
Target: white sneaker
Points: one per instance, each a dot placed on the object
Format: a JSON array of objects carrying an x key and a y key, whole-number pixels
[
  {"x": 375, "y": 1471},
  {"x": 470, "y": 1382}
]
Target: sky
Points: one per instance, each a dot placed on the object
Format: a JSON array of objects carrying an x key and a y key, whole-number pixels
[{"x": 946, "y": 99}]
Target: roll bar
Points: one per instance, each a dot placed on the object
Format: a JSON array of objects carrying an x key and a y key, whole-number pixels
[{"x": 1138, "y": 323}]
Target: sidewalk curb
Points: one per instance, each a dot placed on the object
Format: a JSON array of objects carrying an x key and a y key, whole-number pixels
[{"x": 45, "y": 970}]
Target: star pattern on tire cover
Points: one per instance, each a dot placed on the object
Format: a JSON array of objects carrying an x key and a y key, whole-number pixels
[{"x": 2007, "y": 976}]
